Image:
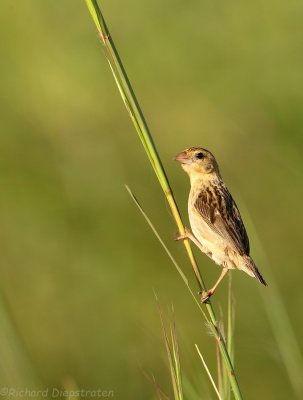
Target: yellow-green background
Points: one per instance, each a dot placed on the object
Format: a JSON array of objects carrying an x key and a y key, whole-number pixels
[{"x": 78, "y": 263}]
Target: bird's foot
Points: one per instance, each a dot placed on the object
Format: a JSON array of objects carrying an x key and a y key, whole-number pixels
[
  {"x": 186, "y": 235},
  {"x": 205, "y": 295}
]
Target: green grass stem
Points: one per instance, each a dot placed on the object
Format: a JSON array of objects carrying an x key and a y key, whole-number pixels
[{"x": 145, "y": 136}]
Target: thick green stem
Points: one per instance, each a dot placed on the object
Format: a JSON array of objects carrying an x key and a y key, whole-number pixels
[{"x": 140, "y": 124}]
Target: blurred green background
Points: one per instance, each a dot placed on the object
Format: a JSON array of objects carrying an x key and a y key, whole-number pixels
[{"x": 78, "y": 263}]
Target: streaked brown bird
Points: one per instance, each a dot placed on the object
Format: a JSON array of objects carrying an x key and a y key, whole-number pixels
[{"x": 216, "y": 223}]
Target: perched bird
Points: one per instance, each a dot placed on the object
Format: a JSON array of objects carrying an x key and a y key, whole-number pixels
[{"x": 216, "y": 223}]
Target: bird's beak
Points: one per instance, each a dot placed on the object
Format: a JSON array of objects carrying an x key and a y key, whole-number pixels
[{"x": 183, "y": 158}]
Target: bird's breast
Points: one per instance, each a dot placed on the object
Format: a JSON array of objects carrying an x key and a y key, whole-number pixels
[{"x": 204, "y": 232}]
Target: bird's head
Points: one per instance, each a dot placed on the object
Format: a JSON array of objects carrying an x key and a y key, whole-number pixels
[{"x": 198, "y": 162}]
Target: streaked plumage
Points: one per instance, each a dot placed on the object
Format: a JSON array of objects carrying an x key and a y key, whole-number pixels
[{"x": 214, "y": 217}]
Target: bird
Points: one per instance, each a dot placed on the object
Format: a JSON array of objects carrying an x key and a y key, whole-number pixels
[{"x": 217, "y": 228}]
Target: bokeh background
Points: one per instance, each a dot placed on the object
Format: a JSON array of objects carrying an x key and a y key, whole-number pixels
[{"x": 78, "y": 263}]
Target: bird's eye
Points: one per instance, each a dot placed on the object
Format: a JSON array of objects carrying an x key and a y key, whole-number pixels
[{"x": 199, "y": 155}]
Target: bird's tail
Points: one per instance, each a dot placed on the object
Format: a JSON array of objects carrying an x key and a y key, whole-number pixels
[{"x": 253, "y": 270}]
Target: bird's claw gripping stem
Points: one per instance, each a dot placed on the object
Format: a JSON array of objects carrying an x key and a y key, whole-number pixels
[
  {"x": 205, "y": 295},
  {"x": 186, "y": 235}
]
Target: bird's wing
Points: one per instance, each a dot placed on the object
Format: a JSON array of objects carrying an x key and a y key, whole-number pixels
[{"x": 219, "y": 210}]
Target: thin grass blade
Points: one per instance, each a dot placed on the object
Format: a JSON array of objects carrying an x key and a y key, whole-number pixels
[
  {"x": 278, "y": 317},
  {"x": 172, "y": 355},
  {"x": 208, "y": 373},
  {"x": 178, "y": 268},
  {"x": 230, "y": 334}
]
